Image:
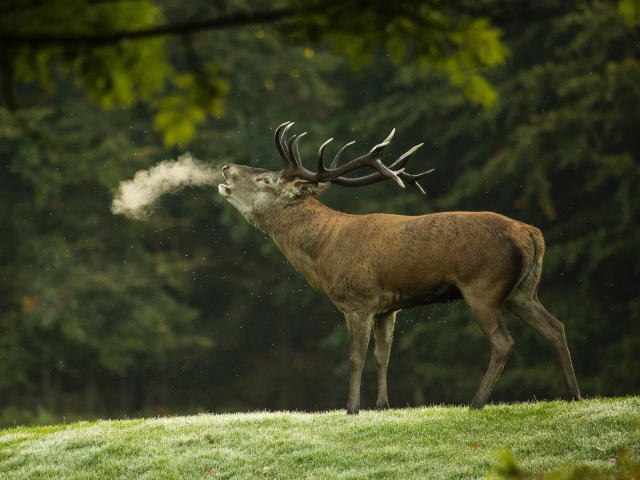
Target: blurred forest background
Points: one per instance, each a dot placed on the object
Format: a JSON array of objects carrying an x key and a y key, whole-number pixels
[{"x": 529, "y": 109}]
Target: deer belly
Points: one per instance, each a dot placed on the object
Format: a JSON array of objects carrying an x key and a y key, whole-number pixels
[{"x": 439, "y": 293}]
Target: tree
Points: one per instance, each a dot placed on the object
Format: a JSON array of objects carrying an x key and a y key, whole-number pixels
[{"x": 117, "y": 52}]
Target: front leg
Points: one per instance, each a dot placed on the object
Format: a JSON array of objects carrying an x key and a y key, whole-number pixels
[
  {"x": 360, "y": 330},
  {"x": 383, "y": 334}
]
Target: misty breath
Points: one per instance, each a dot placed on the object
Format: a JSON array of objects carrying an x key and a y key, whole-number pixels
[{"x": 135, "y": 197}]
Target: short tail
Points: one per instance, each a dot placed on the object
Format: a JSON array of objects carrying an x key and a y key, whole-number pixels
[{"x": 532, "y": 263}]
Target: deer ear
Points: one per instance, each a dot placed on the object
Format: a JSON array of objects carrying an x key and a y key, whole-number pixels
[
  {"x": 305, "y": 187},
  {"x": 322, "y": 186}
]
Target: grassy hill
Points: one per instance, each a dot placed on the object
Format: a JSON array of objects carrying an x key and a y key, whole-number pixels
[{"x": 434, "y": 442}]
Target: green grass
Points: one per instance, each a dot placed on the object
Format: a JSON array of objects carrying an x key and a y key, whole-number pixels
[{"x": 434, "y": 442}]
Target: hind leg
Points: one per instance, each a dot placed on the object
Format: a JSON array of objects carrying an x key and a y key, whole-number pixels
[
  {"x": 531, "y": 311},
  {"x": 492, "y": 324}
]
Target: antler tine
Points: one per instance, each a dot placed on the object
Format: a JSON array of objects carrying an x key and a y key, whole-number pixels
[
  {"x": 385, "y": 142},
  {"x": 415, "y": 176},
  {"x": 390, "y": 136},
  {"x": 280, "y": 127},
  {"x": 404, "y": 158},
  {"x": 295, "y": 154},
  {"x": 278, "y": 139},
  {"x": 321, "y": 167},
  {"x": 280, "y": 134},
  {"x": 387, "y": 172},
  {"x": 277, "y": 130},
  {"x": 336, "y": 157},
  {"x": 381, "y": 146},
  {"x": 290, "y": 142},
  {"x": 284, "y": 134},
  {"x": 413, "y": 179}
]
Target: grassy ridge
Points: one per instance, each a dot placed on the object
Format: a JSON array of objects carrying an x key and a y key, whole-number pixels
[{"x": 435, "y": 442}]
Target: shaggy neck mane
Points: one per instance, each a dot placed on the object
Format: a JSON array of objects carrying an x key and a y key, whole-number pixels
[{"x": 301, "y": 230}]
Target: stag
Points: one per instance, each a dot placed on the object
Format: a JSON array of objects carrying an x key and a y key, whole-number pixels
[{"x": 372, "y": 266}]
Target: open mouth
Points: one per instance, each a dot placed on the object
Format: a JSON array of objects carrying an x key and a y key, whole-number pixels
[{"x": 224, "y": 188}]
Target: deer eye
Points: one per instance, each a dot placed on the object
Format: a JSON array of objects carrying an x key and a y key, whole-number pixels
[{"x": 264, "y": 180}]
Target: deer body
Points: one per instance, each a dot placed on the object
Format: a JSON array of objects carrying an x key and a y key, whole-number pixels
[
  {"x": 372, "y": 266},
  {"x": 362, "y": 261}
]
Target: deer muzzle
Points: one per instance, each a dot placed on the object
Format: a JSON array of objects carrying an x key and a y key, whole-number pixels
[{"x": 224, "y": 188}]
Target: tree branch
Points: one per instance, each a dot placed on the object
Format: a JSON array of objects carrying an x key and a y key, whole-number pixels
[
  {"x": 510, "y": 13},
  {"x": 507, "y": 12},
  {"x": 232, "y": 20},
  {"x": 35, "y": 4}
]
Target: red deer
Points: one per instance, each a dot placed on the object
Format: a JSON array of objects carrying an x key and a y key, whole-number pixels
[{"x": 372, "y": 266}]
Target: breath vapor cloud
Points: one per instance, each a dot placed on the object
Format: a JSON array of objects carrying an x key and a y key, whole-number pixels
[{"x": 134, "y": 198}]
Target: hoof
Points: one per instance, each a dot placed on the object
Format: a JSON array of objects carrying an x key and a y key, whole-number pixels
[{"x": 352, "y": 412}]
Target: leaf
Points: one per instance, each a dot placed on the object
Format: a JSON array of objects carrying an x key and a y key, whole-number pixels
[{"x": 630, "y": 10}]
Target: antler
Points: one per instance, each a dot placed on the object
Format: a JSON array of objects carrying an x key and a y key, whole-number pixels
[{"x": 293, "y": 167}]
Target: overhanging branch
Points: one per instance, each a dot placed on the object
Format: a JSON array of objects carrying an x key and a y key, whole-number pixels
[
  {"x": 232, "y": 20},
  {"x": 499, "y": 17}
]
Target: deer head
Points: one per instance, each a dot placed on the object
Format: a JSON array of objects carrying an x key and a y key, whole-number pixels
[{"x": 256, "y": 192}]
